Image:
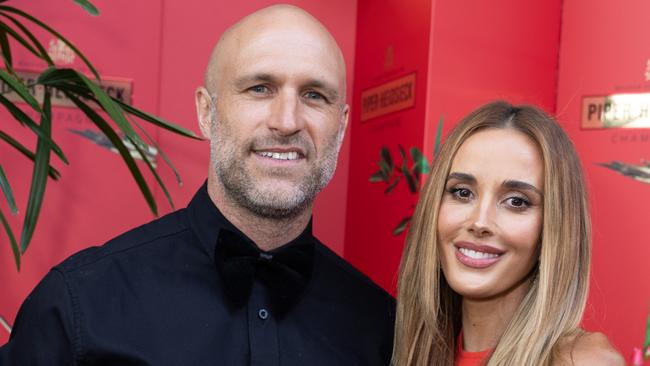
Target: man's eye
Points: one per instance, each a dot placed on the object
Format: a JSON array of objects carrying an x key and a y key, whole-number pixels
[
  {"x": 314, "y": 95},
  {"x": 259, "y": 89}
]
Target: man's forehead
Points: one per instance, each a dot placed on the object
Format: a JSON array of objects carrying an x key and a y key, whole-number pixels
[{"x": 277, "y": 34}]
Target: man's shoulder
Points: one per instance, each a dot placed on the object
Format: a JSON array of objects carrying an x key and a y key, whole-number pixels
[
  {"x": 143, "y": 238},
  {"x": 347, "y": 277}
]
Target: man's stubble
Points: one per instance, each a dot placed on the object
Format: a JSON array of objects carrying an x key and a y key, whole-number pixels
[{"x": 268, "y": 202}]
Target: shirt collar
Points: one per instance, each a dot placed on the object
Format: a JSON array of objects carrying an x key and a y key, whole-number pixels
[{"x": 207, "y": 221}]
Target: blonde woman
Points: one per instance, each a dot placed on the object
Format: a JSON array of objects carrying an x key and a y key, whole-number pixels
[{"x": 496, "y": 266}]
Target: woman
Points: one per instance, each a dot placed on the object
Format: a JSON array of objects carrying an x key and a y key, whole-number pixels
[{"x": 496, "y": 266}]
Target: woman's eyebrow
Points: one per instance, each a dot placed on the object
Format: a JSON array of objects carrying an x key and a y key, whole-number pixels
[
  {"x": 464, "y": 177},
  {"x": 517, "y": 184}
]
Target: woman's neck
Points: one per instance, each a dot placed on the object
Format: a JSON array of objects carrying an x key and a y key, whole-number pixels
[{"x": 485, "y": 320}]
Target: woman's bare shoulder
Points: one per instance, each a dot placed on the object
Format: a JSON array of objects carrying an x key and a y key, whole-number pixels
[{"x": 589, "y": 349}]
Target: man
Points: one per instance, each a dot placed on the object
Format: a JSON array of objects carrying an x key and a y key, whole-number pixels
[{"x": 236, "y": 278}]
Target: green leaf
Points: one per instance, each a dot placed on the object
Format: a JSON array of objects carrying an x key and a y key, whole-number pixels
[
  {"x": 416, "y": 154},
  {"x": 153, "y": 143},
  {"x": 421, "y": 164},
  {"x": 53, "y": 173},
  {"x": 409, "y": 179},
  {"x": 416, "y": 175},
  {"x": 377, "y": 177},
  {"x": 23, "y": 118},
  {"x": 6, "y": 50},
  {"x": 63, "y": 78},
  {"x": 155, "y": 174},
  {"x": 6, "y": 189},
  {"x": 401, "y": 226},
  {"x": 20, "y": 89},
  {"x": 402, "y": 153},
  {"x": 392, "y": 185},
  {"x": 42, "y": 53},
  {"x": 386, "y": 157},
  {"x": 119, "y": 145},
  {"x": 12, "y": 240},
  {"x": 385, "y": 169},
  {"x": 18, "y": 38},
  {"x": 67, "y": 79},
  {"x": 157, "y": 120},
  {"x": 39, "y": 176},
  {"x": 87, "y": 6},
  {"x": 436, "y": 147},
  {"x": 113, "y": 110},
  {"x": 53, "y": 32}
]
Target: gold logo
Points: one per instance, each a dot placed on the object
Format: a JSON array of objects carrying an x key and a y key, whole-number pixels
[{"x": 60, "y": 53}]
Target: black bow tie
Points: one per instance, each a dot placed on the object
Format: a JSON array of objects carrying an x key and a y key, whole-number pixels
[{"x": 284, "y": 271}]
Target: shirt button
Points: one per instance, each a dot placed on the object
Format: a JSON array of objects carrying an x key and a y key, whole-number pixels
[{"x": 263, "y": 314}]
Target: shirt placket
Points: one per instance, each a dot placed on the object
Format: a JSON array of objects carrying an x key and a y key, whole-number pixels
[{"x": 262, "y": 329}]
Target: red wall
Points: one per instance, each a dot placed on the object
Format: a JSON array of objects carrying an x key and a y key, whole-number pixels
[
  {"x": 392, "y": 41},
  {"x": 605, "y": 50},
  {"x": 163, "y": 46},
  {"x": 465, "y": 54}
]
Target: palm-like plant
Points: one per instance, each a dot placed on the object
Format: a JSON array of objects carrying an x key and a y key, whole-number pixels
[
  {"x": 85, "y": 92},
  {"x": 391, "y": 174}
]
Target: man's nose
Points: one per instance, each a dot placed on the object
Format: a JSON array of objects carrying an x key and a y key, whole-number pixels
[
  {"x": 481, "y": 222},
  {"x": 286, "y": 118}
]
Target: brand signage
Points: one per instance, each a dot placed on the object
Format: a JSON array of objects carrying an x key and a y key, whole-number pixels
[
  {"x": 389, "y": 97},
  {"x": 120, "y": 89},
  {"x": 616, "y": 111}
]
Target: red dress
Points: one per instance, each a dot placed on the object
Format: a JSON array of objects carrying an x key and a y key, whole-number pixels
[{"x": 465, "y": 358}]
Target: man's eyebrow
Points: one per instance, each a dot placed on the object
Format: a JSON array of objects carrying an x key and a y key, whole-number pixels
[
  {"x": 463, "y": 177},
  {"x": 246, "y": 80},
  {"x": 329, "y": 90},
  {"x": 517, "y": 184}
]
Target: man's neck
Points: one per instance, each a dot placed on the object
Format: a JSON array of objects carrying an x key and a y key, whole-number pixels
[{"x": 266, "y": 233}]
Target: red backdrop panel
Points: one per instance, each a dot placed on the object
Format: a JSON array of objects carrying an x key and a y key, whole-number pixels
[
  {"x": 604, "y": 50},
  {"x": 392, "y": 41}
]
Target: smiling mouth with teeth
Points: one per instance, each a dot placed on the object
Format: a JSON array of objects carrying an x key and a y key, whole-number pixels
[
  {"x": 477, "y": 255},
  {"x": 290, "y": 155}
]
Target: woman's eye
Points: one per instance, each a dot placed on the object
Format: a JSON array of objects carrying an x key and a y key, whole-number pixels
[
  {"x": 461, "y": 193},
  {"x": 518, "y": 202}
]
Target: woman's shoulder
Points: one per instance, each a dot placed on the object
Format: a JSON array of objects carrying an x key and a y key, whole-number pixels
[{"x": 588, "y": 349}]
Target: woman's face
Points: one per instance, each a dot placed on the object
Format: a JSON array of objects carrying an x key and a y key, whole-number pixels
[{"x": 491, "y": 214}]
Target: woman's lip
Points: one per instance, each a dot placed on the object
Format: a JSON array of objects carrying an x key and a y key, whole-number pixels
[
  {"x": 478, "y": 247},
  {"x": 475, "y": 262}
]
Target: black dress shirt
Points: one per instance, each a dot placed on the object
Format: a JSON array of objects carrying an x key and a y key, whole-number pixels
[{"x": 154, "y": 296}]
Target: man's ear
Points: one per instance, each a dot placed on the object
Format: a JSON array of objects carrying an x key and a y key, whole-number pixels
[
  {"x": 203, "y": 103},
  {"x": 345, "y": 117}
]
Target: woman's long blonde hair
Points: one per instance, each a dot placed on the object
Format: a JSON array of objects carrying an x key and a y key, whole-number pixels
[{"x": 428, "y": 310}]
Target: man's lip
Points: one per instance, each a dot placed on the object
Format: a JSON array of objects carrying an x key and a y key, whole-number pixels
[
  {"x": 478, "y": 247},
  {"x": 281, "y": 150}
]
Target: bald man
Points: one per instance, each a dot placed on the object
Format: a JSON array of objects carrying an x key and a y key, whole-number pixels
[{"x": 236, "y": 278}]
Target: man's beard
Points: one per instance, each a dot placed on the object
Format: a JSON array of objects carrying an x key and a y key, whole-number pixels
[{"x": 271, "y": 202}]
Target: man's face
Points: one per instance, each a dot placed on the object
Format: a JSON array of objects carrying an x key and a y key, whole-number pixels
[{"x": 278, "y": 121}]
